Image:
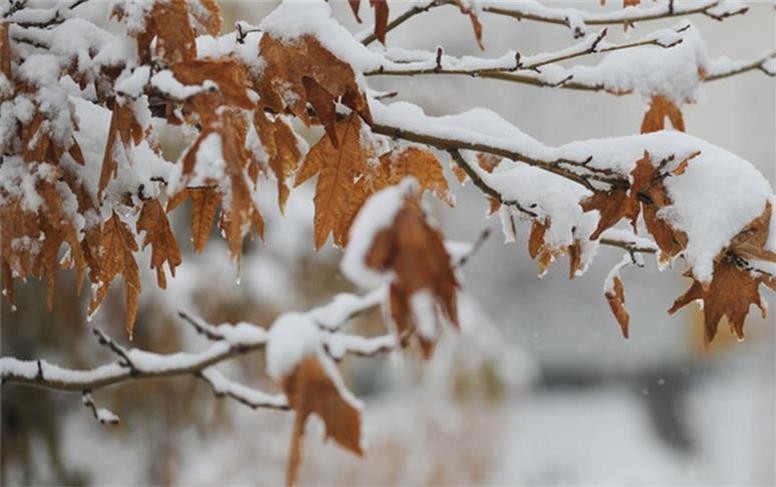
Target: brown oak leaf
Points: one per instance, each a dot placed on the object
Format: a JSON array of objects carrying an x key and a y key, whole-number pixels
[
  {"x": 337, "y": 169},
  {"x": 125, "y": 130},
  {"x": 116, "y": 257},
  {"x": 168, "y": 23},
  {"x": 661, "y": 108},
  {"x": 311, "y": 390},
  {"x": 279, "y": 142},
  {"x": 204, "y": 204},
  {"x": 164, "y": 248},
  {"x": 424, "y": 287},
  {"x": 616, "y": 299},
  {"x": 730, "y": 293},
  {"x": 282, "y": 86}
]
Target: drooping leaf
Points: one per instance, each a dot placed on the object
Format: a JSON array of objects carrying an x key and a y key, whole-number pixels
[
  {"x": 123, "y": 132},
  {"x": 661, "y": 108},
  {"x": 311, "y": 389},
  {"x": 381, "y": 18},
  {"x": 164, "y": 248},
  {"x": 337, "y": 169},
  {"x": 116, "y": 257},
  {"x": 423, "y": 292},
  {"x": 616, "y": 299},
  {"x": 730, "y": 293},
  {"x": 279, "y": 142}
]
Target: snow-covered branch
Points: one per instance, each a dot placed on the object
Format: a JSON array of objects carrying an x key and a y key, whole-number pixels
[
  {"x": 580, "y": 20},
  {"x": 227, "y": 342}
]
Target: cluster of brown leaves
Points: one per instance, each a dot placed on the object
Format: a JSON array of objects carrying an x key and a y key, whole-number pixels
[
  {"x": 415, "y": 255},
  {"x": 546, "y": 254},
  {"x": 31, "y": 236},
  {"x": 733, "y": 287},
  {"x": 350, "y": 172}
]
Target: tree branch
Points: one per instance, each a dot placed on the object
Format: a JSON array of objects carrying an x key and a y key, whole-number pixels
[
  {"x": 571, "y": 17},
  {"x": 447, "y": 144},
  {"x": 371, "y": 37},
  {"x": 515, "y": 63}
]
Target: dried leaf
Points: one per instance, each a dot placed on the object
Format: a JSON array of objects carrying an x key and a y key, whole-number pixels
[
  {"x": 310, "y": 389},
  {"x": 168, "y": 23},
  {"x": 476, "y": 26},
  {"x": 661, "y": 108},
  {"x": 421, "y": 164},
  {"x": 381, "y": 18},
  {"x": 209, "y": 16},
  {"x": 125, "y": 129},
  {"x": 158, "y": 234},
  {"x": 621, "y": 203},
  {"x": 280, "y": 144},
  {"x": 730, "y": 293},
  {"x": 616, "y": 299},
  {"x": 354, "y": 6},
  {"x": 281, "y": 85},
  {"x": 750, "y": 242},
  {"x": 229, "y": 74},
  {"x": 5, "y": 50},
  {"x": 337, "y": 169},
  {"x": 424, "y": 287},
  {"x": 116, "y": 257}
]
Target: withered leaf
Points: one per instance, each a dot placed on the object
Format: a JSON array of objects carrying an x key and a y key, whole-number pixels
[
  {"x": 281, "y": 85},
  {"x": 731, "y": 292},
  {"x": 381, "y": 18},
  {"x": 616, "y": 299},
  {"x": 118, "y": 244},
  {"x": 619, "y": 202},
  {"x": 337, "y": 169},
  {"x": 168, "y": 23},
  {"x": 311, "y": 390},
  {"x": 124, "y": 129},
  {"x": 209, "y": 16},
  {"x": 354, "y": 6},
  {"x": 204, "y": 203},
  {"x": 279, "y": 142},
  {"x": 5, "y": 50},
  {"x": 476, "y": 26},
  {"x": 415, "y": 253},
  {"x": 158, "y": 234},
  {"x": 750, "y": 242},
  {"x": 229, "y": 74},
  {"x": 661, "y": 108}
]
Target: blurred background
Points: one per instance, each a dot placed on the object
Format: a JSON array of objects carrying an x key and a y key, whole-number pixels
[{"x": 539, "y": 388}]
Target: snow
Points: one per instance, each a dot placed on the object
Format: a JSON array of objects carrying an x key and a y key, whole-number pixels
[
  {"x": 717, "y": 196},
  {"x": 153, "y": 363},
  {"x": 165, "y": 82},
  {"x": 651, "y": 70},
  {"x": 553, "y": 198},
  {"x": 222, "y": 385},
  {"x": 343, "y": 306},
  {"x": 422, "y": 308},
  {"x": 292, "y": 337},
  {"x": 614, "y": 273},
  {"x": 102, "y": 415},
  {"x": 134, "y": 84},
  {"x": 227, "y": 44},
  {"x": 376, "y": 214},
  {"x": 28, "y": 369}
]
